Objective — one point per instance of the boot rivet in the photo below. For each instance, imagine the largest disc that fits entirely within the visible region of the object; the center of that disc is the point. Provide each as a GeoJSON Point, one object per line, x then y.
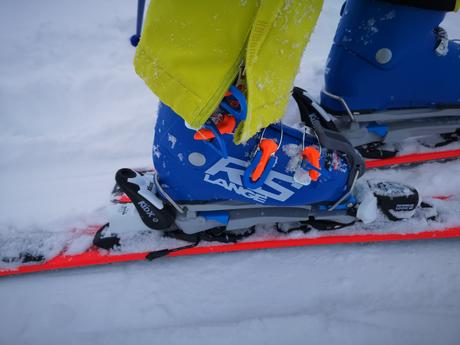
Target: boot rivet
{"type": "Point", "coordinates": [197, 159]}
{"type": "Point", "coordinates": [383, 56]}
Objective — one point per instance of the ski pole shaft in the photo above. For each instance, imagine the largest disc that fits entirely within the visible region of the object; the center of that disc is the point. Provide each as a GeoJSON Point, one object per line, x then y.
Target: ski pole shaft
{"type": "Point", "coordinates": [140, 17]}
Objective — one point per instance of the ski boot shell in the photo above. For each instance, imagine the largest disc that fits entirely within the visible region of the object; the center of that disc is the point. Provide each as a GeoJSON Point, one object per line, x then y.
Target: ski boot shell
{"type": "Point", "coordinates": [205, 187]}
{"type": "Point", "coordinates": [193, 170]}
{"type": "Point", "coordinates": [387, 56]}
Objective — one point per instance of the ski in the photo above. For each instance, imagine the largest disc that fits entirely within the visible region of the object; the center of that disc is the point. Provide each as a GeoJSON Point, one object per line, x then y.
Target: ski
{"type": "Point", "coordinates": [70, 257]}
{"type": "Point", "coordinates": [94, 256]}
{"type": "Point", "coordinates": [414, 158]}
{"type": "Point", "coordinates": [77, 250]}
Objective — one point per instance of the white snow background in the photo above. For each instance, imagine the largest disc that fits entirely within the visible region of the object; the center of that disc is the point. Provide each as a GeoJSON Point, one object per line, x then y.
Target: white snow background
{"type": "Point", "coordinates": [72, 111]}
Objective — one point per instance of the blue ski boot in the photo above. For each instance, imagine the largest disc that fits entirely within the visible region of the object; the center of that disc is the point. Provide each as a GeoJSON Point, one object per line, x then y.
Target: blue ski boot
{"type": "Point", "coordinates": [205, 187]}
{"type": "Point", "coordinates": [392, 74]}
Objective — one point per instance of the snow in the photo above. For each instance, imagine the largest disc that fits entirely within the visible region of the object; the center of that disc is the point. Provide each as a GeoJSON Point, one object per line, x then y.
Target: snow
{"type": "Point", "coordinates": [73, 111]}
{"type": "Point", "coordinates": [388, 294]}
{"type": "Point", "coordinates": [367, 210]}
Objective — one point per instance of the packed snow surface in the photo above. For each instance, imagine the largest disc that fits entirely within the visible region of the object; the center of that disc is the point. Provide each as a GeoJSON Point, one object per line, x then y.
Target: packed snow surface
{"type": "Point", "coordinates": [72, 111]}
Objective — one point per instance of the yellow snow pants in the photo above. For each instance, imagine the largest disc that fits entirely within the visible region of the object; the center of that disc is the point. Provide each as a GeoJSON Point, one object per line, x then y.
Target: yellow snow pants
{"type": "Point", "coordinates": [191, 52]}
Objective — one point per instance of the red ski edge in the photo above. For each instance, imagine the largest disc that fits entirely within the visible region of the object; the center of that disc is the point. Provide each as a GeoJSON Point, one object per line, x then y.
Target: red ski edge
{"type": "Point", "coordinates": [412, 158]}
{"type": "Point", "coordinates": [96, 257]}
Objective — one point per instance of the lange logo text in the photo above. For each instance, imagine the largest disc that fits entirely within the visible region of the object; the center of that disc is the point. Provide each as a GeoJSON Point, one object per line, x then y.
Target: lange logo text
{"type": "Point", "coordinates": [234, 169]}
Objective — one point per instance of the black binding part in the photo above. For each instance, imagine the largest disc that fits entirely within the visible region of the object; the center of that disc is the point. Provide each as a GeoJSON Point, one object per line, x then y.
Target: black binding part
{"type": "Point", "coordinates": [218, 234]}
{"type": "Point", "coordinates": [317, 224]}
{"type": "Point", "coordinates": [24, 258]}
{"type": "Point", "coordinates": [328, 136]}
{"type": "Point", "coordinates": [438, 5]}
{"type": "Point", "coordinates": [395, 197]}
{"type": "Point", "coordinates": [375, 151]}
{"type": "Point", "coordinates": [449, 138]}
{"type": "Point", "coordinates": [152, 217]}
{"type": "Point", "coordinates": [105, 242]}
{"type": "Point", "coordinates": [163, 252]}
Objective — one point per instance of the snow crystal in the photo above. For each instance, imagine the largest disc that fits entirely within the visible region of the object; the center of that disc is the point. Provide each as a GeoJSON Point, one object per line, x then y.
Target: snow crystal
{"type": "Point", "coordinates": [80, 244]}
{"type": "Point", "coordinates": [367, 210]}
{"type": "Point", "coordinates": [371, 26]}
{"type": "Point", "coordinates": [302, 176]}
{"type": "Point", "coordinates": [156, 151]}
{"type": "Point", "coordinates": [390, 15]}
{"type": "Point", "coordinates": [292, 114]}
{"type": "Point", "coordinates": [293, 151]}
{"type": "Point", "coordinates": [172, 140]}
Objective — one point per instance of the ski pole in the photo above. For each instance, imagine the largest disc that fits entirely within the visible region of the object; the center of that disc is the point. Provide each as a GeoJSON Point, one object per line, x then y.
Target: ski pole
{"type": "Point", "coordinates": [140, 16]}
